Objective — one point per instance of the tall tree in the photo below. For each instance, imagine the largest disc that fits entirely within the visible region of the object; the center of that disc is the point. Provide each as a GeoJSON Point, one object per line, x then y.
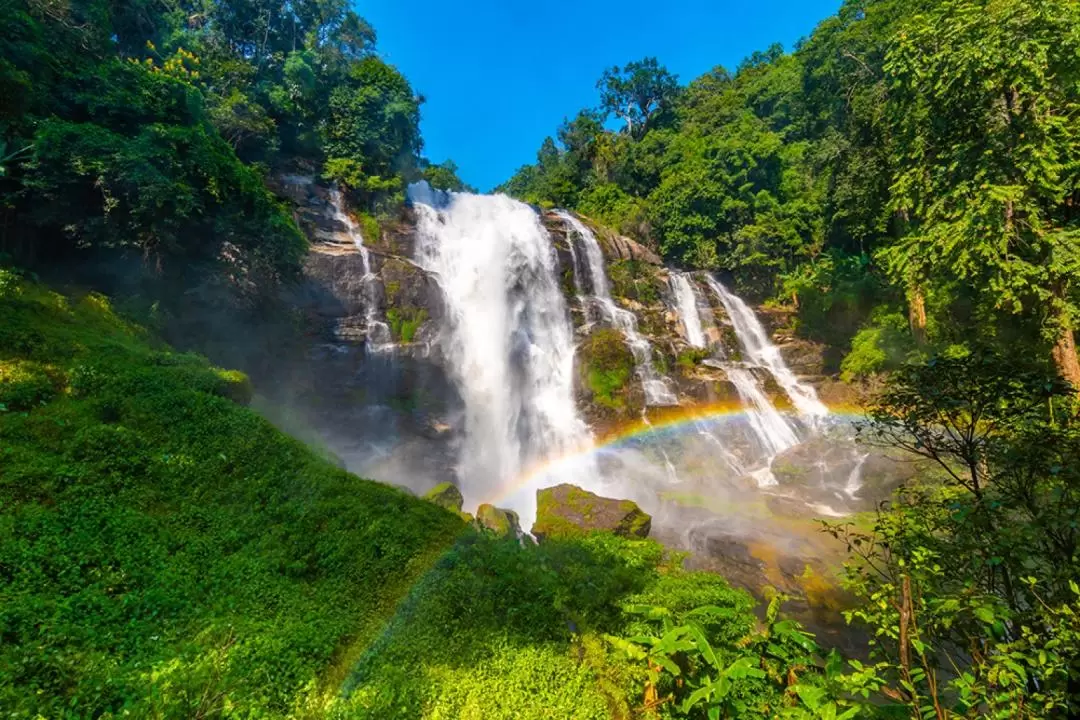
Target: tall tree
{"type": "Point", "coordinates": [637, 93]}
{"type": "Point", "coordinates": [986, 119]}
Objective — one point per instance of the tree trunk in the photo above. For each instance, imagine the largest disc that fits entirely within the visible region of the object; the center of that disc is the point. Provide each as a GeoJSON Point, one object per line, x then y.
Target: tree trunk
{"type": "Point", "coordinates": [1065, 355]}
{"type": "Point", "coordinates": [917, 313]}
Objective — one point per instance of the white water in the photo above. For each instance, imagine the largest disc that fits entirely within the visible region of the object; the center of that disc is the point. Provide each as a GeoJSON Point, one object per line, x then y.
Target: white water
{"type": "Point", "coordinates": [774, 434]}
{"type": "Point", "coordinates": [379, 338]}
{"type": "Point", "coordinates": [771, 429]}
{"type": "Point", "coordinates": [509, 345]}
{"type": "Point", "coordinates": [759, 350]}
{"type": "Point", "coordinates": [854, 480]}
{"type": "Point", "coordinates": [657, 388]}
{"type": "Point", "coordinates": [686, 305]}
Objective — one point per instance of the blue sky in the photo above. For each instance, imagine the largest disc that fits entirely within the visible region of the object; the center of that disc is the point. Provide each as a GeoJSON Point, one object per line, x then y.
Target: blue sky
{"type": "Point", "coordinates": [499, 76]}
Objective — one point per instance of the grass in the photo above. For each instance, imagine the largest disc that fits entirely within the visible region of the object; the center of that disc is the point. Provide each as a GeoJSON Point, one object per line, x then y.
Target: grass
{"type": "Point", "coordinates": [405, 321]}
{"type": "Point", "coordinates": [168, 553]}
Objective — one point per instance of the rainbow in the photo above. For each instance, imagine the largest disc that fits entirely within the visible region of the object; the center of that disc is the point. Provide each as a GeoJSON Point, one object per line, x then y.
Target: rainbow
{"type": "Point", "coordinates": [665, 422]}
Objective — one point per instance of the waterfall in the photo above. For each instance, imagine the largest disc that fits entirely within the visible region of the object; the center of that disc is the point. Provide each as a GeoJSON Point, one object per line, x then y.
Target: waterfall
{"type": "Point", "coordinates": [379, 338]}
{"type": "Point", "coordinates": [772, 431]}
{"type": "Point", "coordinates": [686, 307]}
{"type": "Point", "coordinates": [657, 387]}
{"type": "Point", "coordinates": [508, 342]}
{"type": "Point", "coordinates": [854, 479]}
{"type": "Point", "coordinates": [760, 350]}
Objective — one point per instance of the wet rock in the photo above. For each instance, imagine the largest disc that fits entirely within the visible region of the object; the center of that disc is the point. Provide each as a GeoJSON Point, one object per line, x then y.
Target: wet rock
{"type": "Point", "coordinates": [619, 247]}
{"type": "Point", "coordinates": [446, 495]}
{"type": "Point", "coordinates": [499, 521]}
{"type": "Point", "coordinates": [568, 510]}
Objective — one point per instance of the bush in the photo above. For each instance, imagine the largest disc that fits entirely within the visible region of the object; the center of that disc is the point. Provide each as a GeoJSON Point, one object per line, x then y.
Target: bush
{"type": "Point", "coordinates": [884, 344]}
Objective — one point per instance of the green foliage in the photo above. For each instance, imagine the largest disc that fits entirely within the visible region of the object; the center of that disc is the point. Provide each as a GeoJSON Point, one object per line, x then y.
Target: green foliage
{"type": "Point", "coordinates": [373, 129]}
{"type": "Point", "coordinates": [168, 553]}
{"type": "Point", "coordinates": [634, 280]}
{"type": "Point", "coordinates": [969, 584]}
{"type": "Point", "coordinates": [499, 629]}
{"type": "Point", "coordinates": [443, 176]}
{"type": "Point", "coordinates": [987, 157]}
{"type": "Point", "coordinates": [405, 321]}
{"type": "Point", "coordinates": [701, 667]}
{"type": "Point", "coordinates": [691, 357]}
{"type": "Point", "coordinates": [883, 345]}
{"type": "Point", "coordinates": [608, 365]}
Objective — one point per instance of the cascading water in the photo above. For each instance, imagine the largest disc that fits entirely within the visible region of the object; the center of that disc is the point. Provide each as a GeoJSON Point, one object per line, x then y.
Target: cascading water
{"type": "Point", "coordinates": [657, 388]}
{"type": "Point", "coordinates": [759, 350]}
{"type": "Point", "coordinates": [687, 308]}
{"type": "Point", "coordinates": [773, 433]}
{"type": "Point", "coordinates": [509, 345]}
{"type": "Point", "coordinates": [379, 338]}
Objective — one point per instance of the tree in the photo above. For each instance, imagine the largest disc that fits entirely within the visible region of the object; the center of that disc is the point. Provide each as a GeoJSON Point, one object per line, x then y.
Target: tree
{"type": "Point", "coordinates": [443, 176]}
{"type": "Point", "coordinates": [373, 129]}
{"type": "Point", "coordinates": [637, 93]}
{"type": "Point", "coordinates": [986, 147]}
{"type": "Point", "coordinates": [969, 580]}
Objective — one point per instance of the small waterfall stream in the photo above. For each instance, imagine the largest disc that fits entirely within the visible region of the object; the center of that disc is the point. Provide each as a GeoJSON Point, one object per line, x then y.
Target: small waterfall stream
{"type": "Point", "coordinates": [379, 338]}
{"type": "Point", "coordinates": [760, 350]}
{"type": "Point", "coordinates": [687, 307]}
{"type": "Point", "coordinates": [657, 387]}
{"type": "Point", "coordinates": [773, 433]}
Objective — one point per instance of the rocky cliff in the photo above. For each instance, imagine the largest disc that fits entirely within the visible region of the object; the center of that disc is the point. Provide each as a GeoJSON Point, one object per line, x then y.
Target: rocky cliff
{"type": "Point", "coordinates": [336, 301]}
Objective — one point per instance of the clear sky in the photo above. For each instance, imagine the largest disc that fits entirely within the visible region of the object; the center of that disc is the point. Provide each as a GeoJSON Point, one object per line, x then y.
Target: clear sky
{"type": "Point", "coordinates": [500, 75]}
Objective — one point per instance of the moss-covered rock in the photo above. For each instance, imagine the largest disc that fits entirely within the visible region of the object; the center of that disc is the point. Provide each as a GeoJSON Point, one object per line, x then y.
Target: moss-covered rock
{"type": "Point", "coordinates": [446, 495]}
{"type": "Point", "coordinates": [499, 521]}
{"type": "Point", "coordinates": [567, 510]}
{"type": "Point", "coordinates": [606, 368]}
{"type": "Point", "coordinates": [635, 280]}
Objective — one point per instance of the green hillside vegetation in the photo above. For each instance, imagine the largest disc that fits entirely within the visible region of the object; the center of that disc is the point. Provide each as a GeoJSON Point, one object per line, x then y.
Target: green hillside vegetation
{"type": "Point", "coordinates": [166, 551]}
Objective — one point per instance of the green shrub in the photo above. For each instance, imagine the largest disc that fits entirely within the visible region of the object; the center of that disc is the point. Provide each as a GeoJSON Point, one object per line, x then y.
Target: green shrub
{"type": "Point", "coordinates": [690, 358]}
{"type": "Point", "coordinates": [24, 385]}
{"type": "Point", "coordinates": [882, 345]}
{"type": "Point", "coordinates": [405, 321]}
{"type": "Point", "coordinates": [634, 280]}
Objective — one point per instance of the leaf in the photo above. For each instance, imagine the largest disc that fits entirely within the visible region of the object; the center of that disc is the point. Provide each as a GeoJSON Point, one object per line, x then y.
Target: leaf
{"type": "Point", "coordinates": [695, 697]}
{"type": "Point", "coordinates": [667, 663]}
{"type": "Point", "coordinates": [810, 695]}
{"type": "Point", "coordinates": [703, 646]}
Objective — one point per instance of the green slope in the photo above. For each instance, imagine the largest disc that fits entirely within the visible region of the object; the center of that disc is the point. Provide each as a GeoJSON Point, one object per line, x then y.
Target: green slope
{"type": "Point", "coordinates": [164, 551]}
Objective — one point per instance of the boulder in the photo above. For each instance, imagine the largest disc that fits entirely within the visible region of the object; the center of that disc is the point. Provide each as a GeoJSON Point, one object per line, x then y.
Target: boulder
{"type": "Point", "coordinates": [568, 510]}
{"type": "Point", "coordinates": [499, 521]}
{"type": "Point", "coordinates": [446, 495]}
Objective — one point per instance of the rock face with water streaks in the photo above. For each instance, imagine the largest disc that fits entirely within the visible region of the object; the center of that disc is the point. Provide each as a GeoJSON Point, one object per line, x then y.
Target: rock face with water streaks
{"type": "Point", "coordinates": [568, 510]}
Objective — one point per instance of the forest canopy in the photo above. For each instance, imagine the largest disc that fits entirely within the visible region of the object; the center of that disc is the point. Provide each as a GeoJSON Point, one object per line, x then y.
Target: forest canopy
{"type": "Point", "coordinates": [129, 126]}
